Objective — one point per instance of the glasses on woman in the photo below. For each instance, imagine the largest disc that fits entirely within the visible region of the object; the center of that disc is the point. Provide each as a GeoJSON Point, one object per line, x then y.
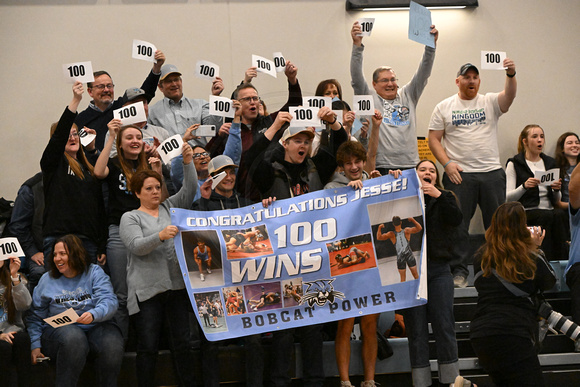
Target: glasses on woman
{"type": "Point", "coordinates": [202, 154]}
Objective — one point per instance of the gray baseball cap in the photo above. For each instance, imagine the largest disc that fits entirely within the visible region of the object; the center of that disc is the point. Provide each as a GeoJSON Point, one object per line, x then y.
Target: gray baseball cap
{"type": "Point", "coordinates": [294, 131]}
{"type": "Point", "coordinates": [168, 69]}
{"type": "Point", "coordinates": [218, 163]}
{"type": "Point", "coordinates": [463, 69]}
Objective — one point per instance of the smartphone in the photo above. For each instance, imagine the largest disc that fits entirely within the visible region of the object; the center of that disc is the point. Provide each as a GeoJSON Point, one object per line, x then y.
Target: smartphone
{"type": "Point", "coordinates": [41, 359]}
{"type": "Point", "coordinates": [205, 131]}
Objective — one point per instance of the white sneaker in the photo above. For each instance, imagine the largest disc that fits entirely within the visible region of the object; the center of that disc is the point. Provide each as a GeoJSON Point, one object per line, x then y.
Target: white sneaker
{"type": "Point", "coordinates": [368, 383]}
{"type": "Point", "coordinates": [208, 270]}
{"type": "Point", "coordinates": [202, 277]}
{"type": "Point", "coordinates": [346, 383]}
{"type": "Point", "coordinates": [460, 281]}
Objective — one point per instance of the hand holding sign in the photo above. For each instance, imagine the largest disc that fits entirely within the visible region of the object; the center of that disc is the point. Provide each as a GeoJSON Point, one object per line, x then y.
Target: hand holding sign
{"type": "Point", "coordinates": [79, 71]}
{"type": "Point", "coordinates": [303, 116]}
{"type": "Point", "coordinates": [548, 178]}
{"type": "Point", "coordinates": [144, 51]}
{"type": "Point", "coordinates": [170, 148]}
{"type": "Point", "coordinates": [131, 114]}
{"type": "Point", "coordinates": [87, 136]}
{"type": "Point", "coordinates": [279, 62]}
{"type": "Point", "coordinates": [264, 65]}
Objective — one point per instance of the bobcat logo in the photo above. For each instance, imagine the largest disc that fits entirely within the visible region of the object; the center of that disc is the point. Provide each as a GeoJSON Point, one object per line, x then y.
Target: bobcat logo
{"type": "Point", "coordinates": [320, 292]}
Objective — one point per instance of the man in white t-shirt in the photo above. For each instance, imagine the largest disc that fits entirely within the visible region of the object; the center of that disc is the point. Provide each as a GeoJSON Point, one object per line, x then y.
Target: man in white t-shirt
{"type": "Point", "coordinates": [467, 122]}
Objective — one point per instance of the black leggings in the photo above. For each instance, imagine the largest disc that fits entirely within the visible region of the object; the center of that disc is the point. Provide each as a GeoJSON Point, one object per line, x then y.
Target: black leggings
{"type": "Point", "coordinates": [509, 360]}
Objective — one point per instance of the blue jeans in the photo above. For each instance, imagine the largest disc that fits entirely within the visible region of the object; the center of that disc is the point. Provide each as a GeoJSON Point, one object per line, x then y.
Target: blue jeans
{"type": "Point", "coordinates": [69, 346]}
{"type": "Point", "coordinates": [117, 262]}
{"type": "Point", "coordinates": [438, 311]}
{"type": "Point", "coordinates": [171, 307]}
{"type": "Point", "coordinates": [310, 338]}
{"type": "Point", "coordinates": [486, 189]}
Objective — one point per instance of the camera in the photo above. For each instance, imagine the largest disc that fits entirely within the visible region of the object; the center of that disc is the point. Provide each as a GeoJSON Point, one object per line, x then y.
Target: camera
{"type": "Point", "coordinates": [558, 322]}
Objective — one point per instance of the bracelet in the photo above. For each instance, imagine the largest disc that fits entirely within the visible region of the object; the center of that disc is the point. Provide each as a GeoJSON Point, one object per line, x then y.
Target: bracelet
{"type": "Point", "coordinates": [446, 164]}
{"type": "Point", "coordinates": [331, 123]}
{"type": "Point", "coordinates": [511, 76]}
{"type": "Point", "coordinates": [16, 279]}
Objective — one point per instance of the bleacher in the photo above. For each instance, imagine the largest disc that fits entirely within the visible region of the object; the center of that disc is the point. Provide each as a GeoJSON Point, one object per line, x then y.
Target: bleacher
{"type": "Point", "coordinates": [560, 364]}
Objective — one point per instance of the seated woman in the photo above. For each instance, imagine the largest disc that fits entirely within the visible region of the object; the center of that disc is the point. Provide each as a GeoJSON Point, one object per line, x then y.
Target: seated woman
{"type": "Point", "coordinates": [156, 291]}
{"type": "Point", "coordinates": [521, 185]}
{"type": "Point", "coordinates": [14, 340]}
{"type": "Point", "coordinates": [510, 269]}
{"type": "Point", "coordinates": [73, 282]}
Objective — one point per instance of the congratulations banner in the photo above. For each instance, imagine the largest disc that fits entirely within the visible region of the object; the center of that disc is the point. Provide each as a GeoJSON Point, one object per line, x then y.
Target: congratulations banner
{"type": "Point", "coordinates": [319, 257]}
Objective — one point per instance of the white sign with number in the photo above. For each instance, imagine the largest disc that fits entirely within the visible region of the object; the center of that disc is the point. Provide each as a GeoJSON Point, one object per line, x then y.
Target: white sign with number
{"type": "Point", "coordinates": [79, 71]}
{"type": "Point", "coordinates": [279, 62]}
{"type": "Point", "coordinates": [318, 102]}
{"type": "Point", "coordinates": [67, 317]}
{"type": "Point", "coordinates": [131, 114]}
{"type": "Point", "coordinates": [9, 247]}
{"type": "Point", "coordinates": [264, 65]}
{"type": "Point", "coordinates": [366, 25]}
{"type": "Point", "coordinates": [363, 105]}
{"type": "Point", "coordinates": [547, 177]}
{"type": "Point", "coordinates": [86, 137]}
{"type": "Point", "coordinates": [304, 116]}
{"type": "Point", "coordinates": [492, 60]}
{"type": "Point", "coordinates": [221, 106]}
{"type": "Point", "coordinates": [170, 148]}
{"type": "Point", "coordinates": [207, 70]}
{"type": "Point", "coordinates": [144, 50]}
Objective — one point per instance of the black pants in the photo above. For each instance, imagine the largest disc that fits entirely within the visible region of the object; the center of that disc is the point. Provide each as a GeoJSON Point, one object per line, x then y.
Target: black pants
{"type": "Point", "coordinates": [509, 360]}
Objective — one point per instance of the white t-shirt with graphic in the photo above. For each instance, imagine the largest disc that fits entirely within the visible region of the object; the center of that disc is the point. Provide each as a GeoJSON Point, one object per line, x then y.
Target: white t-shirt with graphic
{"type": "Point", "coordinates": [470, 137]}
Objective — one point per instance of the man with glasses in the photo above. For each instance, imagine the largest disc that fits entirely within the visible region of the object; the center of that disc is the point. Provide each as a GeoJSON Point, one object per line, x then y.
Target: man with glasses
{"type": "Point", "coordinates": [100, 110]}
{"type": "Point", "coordinates": [398, 134]}
{"type": "Point", "coordinates": [252, 124]}
{"type": "Point", "coordinates": [468, 122]}
{"type": "Point", "coordinates": [177, 113]}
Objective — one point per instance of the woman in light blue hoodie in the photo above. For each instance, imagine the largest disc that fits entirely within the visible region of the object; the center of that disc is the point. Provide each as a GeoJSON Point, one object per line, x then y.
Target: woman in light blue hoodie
{"type": "Point", "coordinates": [72, 282]}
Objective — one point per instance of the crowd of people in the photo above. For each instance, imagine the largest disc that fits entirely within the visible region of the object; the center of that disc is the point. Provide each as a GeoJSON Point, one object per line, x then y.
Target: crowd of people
{"type": "Point", "coordinates": [96, 228]}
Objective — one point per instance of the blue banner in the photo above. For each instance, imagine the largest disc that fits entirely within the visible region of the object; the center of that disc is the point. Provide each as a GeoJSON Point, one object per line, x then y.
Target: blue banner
{"type": "Point", "coordinates": [319, 257]}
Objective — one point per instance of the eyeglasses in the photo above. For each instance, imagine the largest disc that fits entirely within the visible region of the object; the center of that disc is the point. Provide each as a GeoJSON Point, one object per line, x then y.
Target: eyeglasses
{"type": "Point", "coordinates": [102, 87]}
{"type": "Point", "coordinates": [250, 99]}
{"type": "Point", "coordinates": [385, 80]}
{"type": "Point", "coordinates": [73, 135]}
{"type": "Point", "coordinates": [202, 154]}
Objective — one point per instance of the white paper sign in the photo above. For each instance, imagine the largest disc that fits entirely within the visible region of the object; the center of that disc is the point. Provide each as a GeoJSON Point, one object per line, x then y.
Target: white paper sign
{"type": "Point", "coordinates": [79, 71]}
{"type": "Point", "coordinates": [339, 116]}
{"type": "Point", "coordinates": [131, 114]}
{"type": "Point", "coordinates": [215, 180]}
{"type": "Point", "coordinates": [86, 137]}
{"type": "Point", "coordinates": [144, 50]}
{"type": "Point", "coordinates": [279, 62]}
{"type": "Point", "coordinates": [221, 106]}
{"type": "Point", "coordinates": [363, 105]}
{"type": "Point", "coordinates": [492, 60]}
{"type": "Point", "coordinates": [366, 25]}
{"type": "Point", "coordinates": [547, 177]}
{"type": "Point", "coordinates": [67, 317]}
{"type": "Point", "coordinates": [264, 65]}
{"type": "Point", "coordinates": [170, 148]}
{"type": "Point", "coordinates": [304, 116]}
{"type": "Point", "coordinates": [9, 247]}
{"type": "Point", "coordinates": [207, 70]}
{"type": "Point", "coordinates": [318, 102]}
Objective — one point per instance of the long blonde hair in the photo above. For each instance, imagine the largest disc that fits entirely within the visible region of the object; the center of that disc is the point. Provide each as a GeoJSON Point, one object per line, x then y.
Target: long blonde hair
{"type": "Point", "coordinates": [75, 164]}
{"type": "Point", "coordinates": [509, 247]}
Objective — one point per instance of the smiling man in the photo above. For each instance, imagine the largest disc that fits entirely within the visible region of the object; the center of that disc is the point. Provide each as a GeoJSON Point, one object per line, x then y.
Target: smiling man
{"type": "Point", "coordinates": [102, 91]}
{"type": "Point", "coordinates": [398, 133]}
{"type": "Point", "coordinates": [468, 124]}
{"type": "Point", "coordinates": [177, 113]}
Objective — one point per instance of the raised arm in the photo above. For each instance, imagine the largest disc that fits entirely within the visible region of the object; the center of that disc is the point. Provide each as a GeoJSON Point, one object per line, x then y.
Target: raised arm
{"type": "Point", "coordinates": [373, 142]}
{"type": "Point", "coordinates": [416, 226]}
{"type": "Point", "coordinates": [358, 82]}
{"type": "Point", "coordinates": [384, 236]}
{"type": "Point", "coordinates": [508, 94]}
{"type": "Point", "coordinates": [101, 168]}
